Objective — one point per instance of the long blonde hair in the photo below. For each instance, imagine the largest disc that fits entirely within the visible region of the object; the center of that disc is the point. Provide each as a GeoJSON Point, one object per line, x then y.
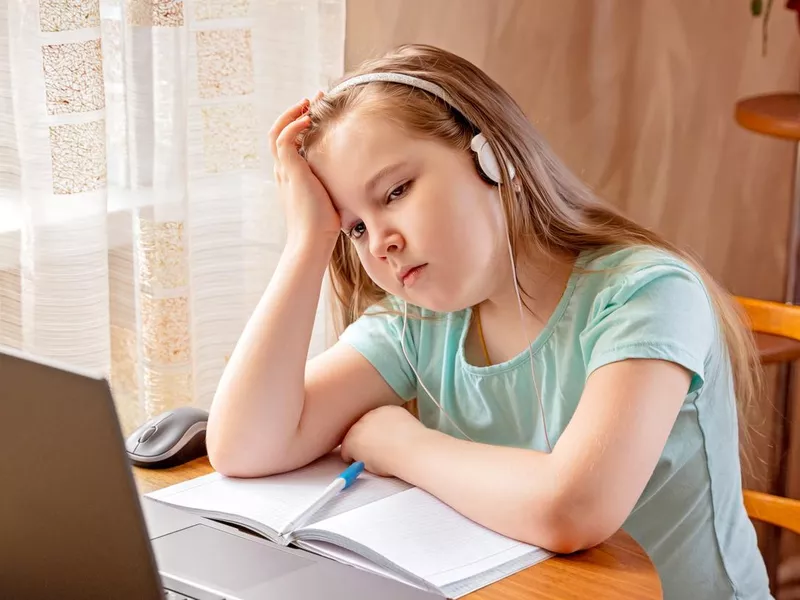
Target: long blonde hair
{"type": "Point", "coordinates": [550, 211]}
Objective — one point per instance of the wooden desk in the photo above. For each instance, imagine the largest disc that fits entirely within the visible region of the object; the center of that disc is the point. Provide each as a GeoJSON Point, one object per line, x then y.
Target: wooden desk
{"type": "Point", "coordinates": [619, 568]}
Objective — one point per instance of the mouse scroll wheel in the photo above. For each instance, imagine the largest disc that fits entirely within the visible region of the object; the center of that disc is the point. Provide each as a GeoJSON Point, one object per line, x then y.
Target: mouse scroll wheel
{"type": "Point", "coordinates": [146, 434]}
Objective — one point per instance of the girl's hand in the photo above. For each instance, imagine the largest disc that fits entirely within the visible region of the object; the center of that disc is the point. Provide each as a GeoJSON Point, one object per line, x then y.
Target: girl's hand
{"type": "Point", "coordinates": [380, 438]}
{"type": "Point", "coordinates": [311, 218]}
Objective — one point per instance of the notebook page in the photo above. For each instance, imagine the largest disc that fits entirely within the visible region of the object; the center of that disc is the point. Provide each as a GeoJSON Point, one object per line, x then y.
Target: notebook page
{"type": "Point", "coordinates": [366, 489]}
{"type": "Point", "coordinates": [427, 538]}
{"type": "Point", "coordinates": [273, 501]}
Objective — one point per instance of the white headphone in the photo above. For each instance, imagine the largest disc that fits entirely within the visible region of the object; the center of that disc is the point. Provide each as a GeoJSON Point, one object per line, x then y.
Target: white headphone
{"type": "Point", "coordinates": [487, 159]}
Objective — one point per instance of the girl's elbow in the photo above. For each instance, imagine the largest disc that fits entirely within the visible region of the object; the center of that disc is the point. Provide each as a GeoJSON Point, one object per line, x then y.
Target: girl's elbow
{"type": "Point", "coordinates": [235, 455]}
{"type": "Point", "coordinates": [569, 540]}
{"type": "Point", "coordinates": [564, 528]}
{"type": "Point", "coordinates": [222, 460]}
{"type": "Point", "coordinates": [234, 449]}
{"type": "Point", "coordinates": [232, 464]}
{"type": "Point", "coordinates": [559, 537]}
{"type": "Point", "coordinates": [231, 457]}
{"type": "Point", "coordinates": [222, 465]}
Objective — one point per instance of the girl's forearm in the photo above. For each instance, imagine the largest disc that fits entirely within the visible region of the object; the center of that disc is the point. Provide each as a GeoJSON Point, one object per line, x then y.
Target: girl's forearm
{"type": "Point", "coordinates": [512, 491]}
{"type": "Point", "coordinates": [258, 403]}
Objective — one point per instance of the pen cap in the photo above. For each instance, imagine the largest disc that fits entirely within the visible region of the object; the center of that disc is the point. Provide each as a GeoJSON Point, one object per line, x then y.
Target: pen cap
{"type": "Point", "coordinates": [350, 473]}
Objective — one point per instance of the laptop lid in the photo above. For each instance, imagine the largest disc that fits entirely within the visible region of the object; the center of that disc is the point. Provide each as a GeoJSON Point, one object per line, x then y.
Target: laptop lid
{"type": "Point", "coordinates": [70, 521]}
{"type": "Point", "coordinates": [72, 526]}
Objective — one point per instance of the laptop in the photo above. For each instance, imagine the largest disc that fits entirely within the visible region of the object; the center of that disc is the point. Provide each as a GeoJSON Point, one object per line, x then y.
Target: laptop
{"type": "Point", "coordinates": [72, 524]}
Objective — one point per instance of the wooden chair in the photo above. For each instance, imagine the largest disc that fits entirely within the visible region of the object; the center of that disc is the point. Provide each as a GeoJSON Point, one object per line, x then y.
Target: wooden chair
{"type": "Point", "coordinates": [776, 327]}
{"type": "Point", "coordinates": [775, 510]}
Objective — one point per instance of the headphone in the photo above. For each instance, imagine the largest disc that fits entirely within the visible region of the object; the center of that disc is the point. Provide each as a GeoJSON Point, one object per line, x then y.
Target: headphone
{"type": "Point", "coordinates": [486, 158]}
{"type": "Point", "coordinates": [489, 166]}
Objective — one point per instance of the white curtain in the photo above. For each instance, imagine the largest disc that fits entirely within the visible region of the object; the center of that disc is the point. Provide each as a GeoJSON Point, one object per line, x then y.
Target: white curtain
{"type": "Point", "coordinates": [139, 223]}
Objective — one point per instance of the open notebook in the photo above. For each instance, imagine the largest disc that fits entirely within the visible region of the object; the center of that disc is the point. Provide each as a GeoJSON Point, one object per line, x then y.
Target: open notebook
{"type": "Point", "coordinates": [379, 524]}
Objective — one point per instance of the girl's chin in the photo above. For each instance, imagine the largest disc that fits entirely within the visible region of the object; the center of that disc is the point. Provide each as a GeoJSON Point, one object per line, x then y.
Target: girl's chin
{"type": "Point", "coordinates": [431, 295]}
{"type": "Point", "coordinates": [435, 303]}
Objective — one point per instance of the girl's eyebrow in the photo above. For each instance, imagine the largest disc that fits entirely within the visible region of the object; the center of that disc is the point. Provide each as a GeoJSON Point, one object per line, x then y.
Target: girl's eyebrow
{"type": "Point", "coordinates": [384, 172]}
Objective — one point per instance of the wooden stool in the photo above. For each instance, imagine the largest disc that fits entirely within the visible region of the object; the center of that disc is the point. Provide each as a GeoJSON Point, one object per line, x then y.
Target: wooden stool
{"type": "Point", "coordinates": [778, 115]}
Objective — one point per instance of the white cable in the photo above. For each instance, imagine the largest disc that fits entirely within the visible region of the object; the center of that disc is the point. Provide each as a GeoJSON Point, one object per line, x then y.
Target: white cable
{"type": "Point", "coordinates": [524, 329]}
{"type": "Point", "coordinates": [419, 379]}
{"type": "Point", "coordinates": [524, 332]}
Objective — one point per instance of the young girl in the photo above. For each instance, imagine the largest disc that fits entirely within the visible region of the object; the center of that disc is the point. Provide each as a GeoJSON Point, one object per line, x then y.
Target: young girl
{"type": "Point", "coordinates": [573, 372]}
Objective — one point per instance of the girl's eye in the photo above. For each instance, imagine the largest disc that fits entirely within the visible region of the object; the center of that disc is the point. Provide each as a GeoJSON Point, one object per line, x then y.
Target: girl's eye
{"type": "Point", "coordinates": [399, 191]}
{"type": "Point", "coordinates": [357, 230]}
{"type": "Point", "coordinates": [360, 229]}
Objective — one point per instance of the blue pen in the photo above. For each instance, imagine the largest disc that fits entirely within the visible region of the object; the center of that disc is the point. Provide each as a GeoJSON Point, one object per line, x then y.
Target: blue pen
{"type": "Point", "coordinates": [342, 482]}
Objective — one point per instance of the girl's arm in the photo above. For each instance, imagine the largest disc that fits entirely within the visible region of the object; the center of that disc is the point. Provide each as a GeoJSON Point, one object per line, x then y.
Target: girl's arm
{"type": "Point", "coordinates": [272, 410]}
{"type": "Point", "coordinates": [571, 499]}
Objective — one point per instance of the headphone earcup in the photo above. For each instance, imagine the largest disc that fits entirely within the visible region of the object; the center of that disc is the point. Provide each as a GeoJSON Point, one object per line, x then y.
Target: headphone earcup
{"type": "Point", "coordinates": [487, 159]}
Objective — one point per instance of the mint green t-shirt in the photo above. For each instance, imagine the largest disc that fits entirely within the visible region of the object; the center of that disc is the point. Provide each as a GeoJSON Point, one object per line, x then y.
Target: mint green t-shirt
{"type": "Point", "coordinates": [645, 303]}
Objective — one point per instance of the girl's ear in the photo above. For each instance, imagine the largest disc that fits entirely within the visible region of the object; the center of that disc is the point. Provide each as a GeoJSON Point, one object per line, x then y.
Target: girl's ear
{"type": "Point", "coordinates": [516, 185]}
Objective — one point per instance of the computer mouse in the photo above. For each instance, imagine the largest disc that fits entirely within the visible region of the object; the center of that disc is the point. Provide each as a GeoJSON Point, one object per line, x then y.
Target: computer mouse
{"type": "Point", "coordinates": [172, 438]}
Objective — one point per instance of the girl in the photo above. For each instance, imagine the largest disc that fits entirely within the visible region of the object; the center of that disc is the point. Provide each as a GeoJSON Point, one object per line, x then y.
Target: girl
{"type": "Point", "coordinates": [573, 372]}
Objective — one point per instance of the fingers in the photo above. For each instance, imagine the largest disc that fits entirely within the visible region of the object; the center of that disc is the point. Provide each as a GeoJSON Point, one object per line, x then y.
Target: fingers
{"type": "Point", "coordinates": [286, 144]}
{"type": "Point", "coordinates": [289, 116]}
{"type": "Point", "coordinates": [319, 95]}
{"type": "Point", "coordinates": [344, 451]}
{"type": "Point", "coordinates": [284, 132]}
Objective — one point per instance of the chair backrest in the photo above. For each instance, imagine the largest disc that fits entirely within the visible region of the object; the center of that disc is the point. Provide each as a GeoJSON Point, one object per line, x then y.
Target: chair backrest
{"type": "Point", "coordinates": [770, 317]}
{"type": "Point", "coordinates": [775, 510]}
{"type": "Point", "coordinates": [774, 318]}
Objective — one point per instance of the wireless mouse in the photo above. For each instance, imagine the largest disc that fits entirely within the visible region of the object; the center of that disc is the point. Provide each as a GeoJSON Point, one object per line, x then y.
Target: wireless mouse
{"type": "Point", "coordinates": [172, 438]}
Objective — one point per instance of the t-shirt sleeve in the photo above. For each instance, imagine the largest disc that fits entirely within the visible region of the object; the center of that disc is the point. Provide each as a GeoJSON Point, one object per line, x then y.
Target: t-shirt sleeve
{"type": "Point", "coordinates": [658, 311]}
{"type": "Point", "coordinates": [376, 335]}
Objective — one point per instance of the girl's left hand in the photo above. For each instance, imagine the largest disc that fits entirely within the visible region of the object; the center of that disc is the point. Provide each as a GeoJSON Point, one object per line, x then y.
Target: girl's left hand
{"type": "Point", "coordinates": [380, 438]}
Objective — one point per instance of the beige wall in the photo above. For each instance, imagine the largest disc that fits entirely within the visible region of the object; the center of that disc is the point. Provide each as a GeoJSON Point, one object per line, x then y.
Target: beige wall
{"type": "Point", "coordinates": [638, 98]}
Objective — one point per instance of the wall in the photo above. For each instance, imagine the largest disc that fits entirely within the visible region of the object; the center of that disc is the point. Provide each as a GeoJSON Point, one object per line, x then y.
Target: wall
{"type": "Point", "coordinates": [638, 98]}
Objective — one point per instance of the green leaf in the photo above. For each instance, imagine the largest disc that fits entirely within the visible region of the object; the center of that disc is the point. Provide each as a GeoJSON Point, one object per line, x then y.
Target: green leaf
{"type": "Point", "coordinates": [756, 6]}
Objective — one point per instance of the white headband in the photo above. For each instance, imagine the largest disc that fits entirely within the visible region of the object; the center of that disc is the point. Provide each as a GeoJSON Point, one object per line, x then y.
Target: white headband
{"type": "Point", "coordinates": [409, 80]}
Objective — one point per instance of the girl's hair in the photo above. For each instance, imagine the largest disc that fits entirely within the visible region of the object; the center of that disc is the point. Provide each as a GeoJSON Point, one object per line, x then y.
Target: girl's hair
{"type": "Point", "coordinates": [548, 210]}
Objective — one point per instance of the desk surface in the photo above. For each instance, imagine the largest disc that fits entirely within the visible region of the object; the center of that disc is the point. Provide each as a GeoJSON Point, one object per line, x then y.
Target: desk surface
{"type": "Point", "coordinates": [618, 568]}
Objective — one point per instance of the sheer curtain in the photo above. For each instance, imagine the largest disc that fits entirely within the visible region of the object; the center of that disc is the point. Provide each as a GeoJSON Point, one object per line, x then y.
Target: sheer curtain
{"type": "Point", "coordinates": [139, 223]}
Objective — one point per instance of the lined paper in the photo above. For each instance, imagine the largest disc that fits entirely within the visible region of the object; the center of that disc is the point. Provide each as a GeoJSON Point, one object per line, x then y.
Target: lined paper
{"type": "Point", "coordinates": [427, 538]}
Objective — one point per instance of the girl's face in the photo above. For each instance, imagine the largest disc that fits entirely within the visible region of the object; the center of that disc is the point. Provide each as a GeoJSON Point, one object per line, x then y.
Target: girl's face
{"type": "Point", "coordinates": [426, 226]}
